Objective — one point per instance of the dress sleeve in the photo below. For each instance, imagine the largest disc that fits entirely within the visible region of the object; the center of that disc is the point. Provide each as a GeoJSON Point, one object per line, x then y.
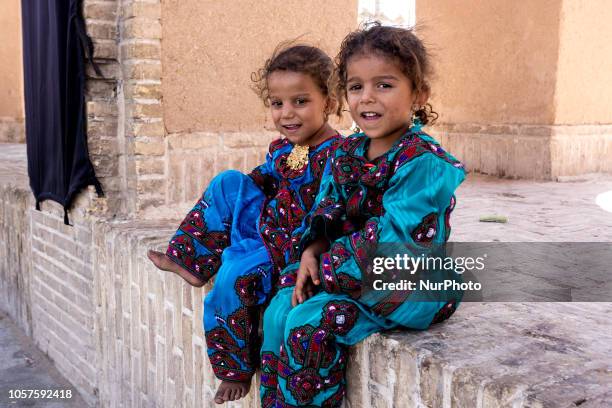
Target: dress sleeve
{"type": "Point", "coordinates": [416, 203]}
{"type": "Point", "coordinates": [265, 176]}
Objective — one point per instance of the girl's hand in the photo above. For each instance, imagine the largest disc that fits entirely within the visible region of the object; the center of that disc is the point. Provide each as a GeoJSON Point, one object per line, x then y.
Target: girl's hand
{"type": "Point", "coordinates": [308, 272]}
{"type": "Point", "coordinates": [307, 276]}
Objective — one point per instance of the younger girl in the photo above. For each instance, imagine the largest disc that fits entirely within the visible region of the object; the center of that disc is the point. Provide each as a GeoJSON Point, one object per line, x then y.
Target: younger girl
{"type": "Point", "coordinates": [241, 227]}
{"type": "Point", "coordinates": [390, 184]}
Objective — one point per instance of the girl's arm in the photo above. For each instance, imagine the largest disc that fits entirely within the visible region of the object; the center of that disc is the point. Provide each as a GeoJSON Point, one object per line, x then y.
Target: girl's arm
{"type": "Point", "coordinates": [308, 271]}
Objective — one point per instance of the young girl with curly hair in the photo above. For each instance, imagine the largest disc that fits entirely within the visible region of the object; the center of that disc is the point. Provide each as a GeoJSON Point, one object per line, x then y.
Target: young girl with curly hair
{"type": "Point", "coordinates": [240, 229]}
{"type": "Point", "coordinates": [390, 184]}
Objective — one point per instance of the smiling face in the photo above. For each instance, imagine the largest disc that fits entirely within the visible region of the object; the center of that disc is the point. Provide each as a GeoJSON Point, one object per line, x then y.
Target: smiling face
{"type": "Point", "coordinates": [298, 107]}
{"type": "Point", "coordinates": [380, 98]}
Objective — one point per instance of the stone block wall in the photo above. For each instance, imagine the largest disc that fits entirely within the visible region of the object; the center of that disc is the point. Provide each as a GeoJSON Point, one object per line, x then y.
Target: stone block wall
{"type": "Point", "coordinates": [151, 345]}
{"type": "Point", "coordinates": [62, 293]}
{"type": "Point", "coordinates": [15, 257]}
{"type": "Point", "coordinates": [196, 157]}
{"type": "Point", "coordinates": [61, 283]}
{"type": "Point", "coordinates": [529, 151]}
{"type": "Point", "coordinates": [141, 113]}
{"type": "Point", "coordinates": [105, 141]}
{"type": "Point", "coordinates": [146, 172]}
{"type": "Point", "coordinates": [46, 272]}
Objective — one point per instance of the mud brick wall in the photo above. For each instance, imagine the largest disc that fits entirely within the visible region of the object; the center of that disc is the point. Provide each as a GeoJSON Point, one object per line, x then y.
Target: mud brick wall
{"type": "Point", "coordinates": [15, 257]}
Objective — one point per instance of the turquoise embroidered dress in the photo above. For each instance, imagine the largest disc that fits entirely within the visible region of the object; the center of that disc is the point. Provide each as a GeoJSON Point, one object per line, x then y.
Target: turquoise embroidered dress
{"type": "Point", "coordinates": [404, 196]}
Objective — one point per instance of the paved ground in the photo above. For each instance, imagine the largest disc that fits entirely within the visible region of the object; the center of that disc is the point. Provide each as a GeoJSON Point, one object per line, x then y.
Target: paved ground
{"type": "Point", "coordinates": [536, 211]}
{"type": "Point", "coordinates": [24, 367]}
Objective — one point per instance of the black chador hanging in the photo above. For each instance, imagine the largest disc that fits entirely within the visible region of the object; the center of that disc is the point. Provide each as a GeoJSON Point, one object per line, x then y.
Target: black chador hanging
{"type": "Point", "coordinates": [54, 47]}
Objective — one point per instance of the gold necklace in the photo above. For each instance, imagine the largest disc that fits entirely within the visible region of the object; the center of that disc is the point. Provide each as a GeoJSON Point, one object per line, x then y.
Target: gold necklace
{"type": "Point", "coordinates": [298, 157]}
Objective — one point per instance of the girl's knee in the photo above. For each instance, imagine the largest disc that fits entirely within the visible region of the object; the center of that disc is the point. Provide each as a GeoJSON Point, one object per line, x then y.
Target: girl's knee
{"type": "Point", "coordinates": [275, 314]}
{"type": "Point", "coordinates": [223, 291]}
{"type": "Point", "coordinates": [297, 317]}
{"type": "Point", "coordinates": [210, 300]}
{"type": "Point", "coordinates": [271, 324]}
{"type": "Point", "coordinates": [226, 184]}
{"type": "Point", "coordinates": [224, 180]}
{"type": "Point", "coordinates": [228, 177]}
{"type": "Point", "coordinates": [274, 326]}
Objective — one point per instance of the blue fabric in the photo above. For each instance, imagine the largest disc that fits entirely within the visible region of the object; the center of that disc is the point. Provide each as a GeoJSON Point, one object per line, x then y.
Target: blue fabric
{"type": "Point", "coordinates": [240, 231]}
{"type": "Point", "coordinates": [404, 196]}
{"type": "Point", "coordinates": [311, 342]}
{"type": "Point", "coordinates": [225, 214]}
{"type": "Point", "coordinates": [291, 195]}
{"type": "Point", "coordinates": [222, 226]}
{"type": "Point", "coordinates": [231, 313]}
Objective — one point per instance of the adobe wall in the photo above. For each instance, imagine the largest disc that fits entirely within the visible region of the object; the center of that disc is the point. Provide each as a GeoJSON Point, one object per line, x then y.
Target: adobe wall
{"type": "Point", "coordinates": [210, 49]}
{"type": "Point", "coordinates": [583, 94]}
{"type": "Point", "coordinates": [213, 119]}
{"type": "Point", "coordinates": [11, 74]}
{"type": "Point", "coordinates": [522, 89]}
{"type": "Point", "coordinates": [495, 61]}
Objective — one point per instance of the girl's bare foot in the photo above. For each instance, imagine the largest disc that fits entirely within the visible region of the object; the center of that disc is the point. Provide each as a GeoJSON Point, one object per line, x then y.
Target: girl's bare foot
{"type": "Point", "coordinates": [231, 391]}
{"type": "Point", "coordinates": [164, 263]}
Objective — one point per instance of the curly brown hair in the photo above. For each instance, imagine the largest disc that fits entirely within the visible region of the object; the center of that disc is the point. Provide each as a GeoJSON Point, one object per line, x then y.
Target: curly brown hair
{"type": "Point", "coordinates": [300, 58]}
{"type": "Point", "coordinates": [399, 44]}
